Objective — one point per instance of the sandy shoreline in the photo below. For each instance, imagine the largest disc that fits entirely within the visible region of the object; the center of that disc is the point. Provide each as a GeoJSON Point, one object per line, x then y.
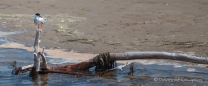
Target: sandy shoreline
{"type": "Point", "coordinates": [111, 26]}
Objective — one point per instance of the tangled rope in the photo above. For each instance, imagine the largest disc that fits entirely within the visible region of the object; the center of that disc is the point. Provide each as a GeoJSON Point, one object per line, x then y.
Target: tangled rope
{"type": "Point", "coordinates": [103, 62]}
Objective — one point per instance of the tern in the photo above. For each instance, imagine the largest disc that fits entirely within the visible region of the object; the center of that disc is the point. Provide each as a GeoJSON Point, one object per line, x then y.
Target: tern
{"type": "Point", "coordinates": [38, 20]}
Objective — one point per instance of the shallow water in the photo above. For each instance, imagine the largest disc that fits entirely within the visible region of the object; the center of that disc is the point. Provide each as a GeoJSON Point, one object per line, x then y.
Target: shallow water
{"type": "Point", "coordinates": [146, 72]}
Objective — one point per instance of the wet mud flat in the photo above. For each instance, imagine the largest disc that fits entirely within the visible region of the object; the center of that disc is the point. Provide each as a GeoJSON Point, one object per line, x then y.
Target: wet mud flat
{"type": "Point", "coordinates": [112, 26]}
{"type": "Point", "coordinates": [146, 72]}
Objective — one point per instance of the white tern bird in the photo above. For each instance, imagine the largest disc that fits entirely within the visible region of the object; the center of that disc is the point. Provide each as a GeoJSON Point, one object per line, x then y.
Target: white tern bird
{"type": "Point", "coordinates": [38, 20]}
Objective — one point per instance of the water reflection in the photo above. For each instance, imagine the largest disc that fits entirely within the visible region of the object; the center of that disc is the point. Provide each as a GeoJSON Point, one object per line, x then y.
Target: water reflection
{"type": "Point", "coordinates": [41, 81]}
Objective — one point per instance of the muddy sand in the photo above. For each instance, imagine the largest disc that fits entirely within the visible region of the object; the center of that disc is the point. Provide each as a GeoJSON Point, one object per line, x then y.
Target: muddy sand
{"type": "Point", "coordinates": [97, 26]}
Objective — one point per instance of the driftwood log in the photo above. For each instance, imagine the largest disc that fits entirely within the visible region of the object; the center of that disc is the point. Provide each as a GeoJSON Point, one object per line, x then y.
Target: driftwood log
{"type": "Point", "coordinates": [106, 61]}
{"type": "Point", "coordinates": [102, 62]}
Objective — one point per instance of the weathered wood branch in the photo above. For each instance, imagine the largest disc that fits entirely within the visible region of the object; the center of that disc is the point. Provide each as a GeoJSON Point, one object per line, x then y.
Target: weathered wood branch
{"type": "Point", "coordinates": [44, 65]}
{"type": "Point", "coordinates": [158, 55]}
{"type": "Point", "coordinates": [21, 70]}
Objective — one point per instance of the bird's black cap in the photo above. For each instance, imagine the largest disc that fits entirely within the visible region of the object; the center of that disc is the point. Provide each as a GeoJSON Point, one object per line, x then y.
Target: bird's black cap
{"type": "Point", "coordinates": [38, 14]}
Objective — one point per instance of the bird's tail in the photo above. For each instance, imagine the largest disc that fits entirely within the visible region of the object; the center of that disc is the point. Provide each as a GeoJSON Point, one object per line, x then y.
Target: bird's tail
{"type": "Point", "coordinates": [45, 20]}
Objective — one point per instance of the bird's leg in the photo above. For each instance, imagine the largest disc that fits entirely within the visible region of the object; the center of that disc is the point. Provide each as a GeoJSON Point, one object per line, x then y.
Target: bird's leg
{"type": "Point", "coordinates": [41, 27]}
{"type": "Point", "coordinates": [38, 27]}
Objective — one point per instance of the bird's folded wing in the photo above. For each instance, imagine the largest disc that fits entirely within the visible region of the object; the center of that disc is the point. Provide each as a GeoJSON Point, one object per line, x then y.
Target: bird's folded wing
{"type": "Point", "coordinates": [43, 20]}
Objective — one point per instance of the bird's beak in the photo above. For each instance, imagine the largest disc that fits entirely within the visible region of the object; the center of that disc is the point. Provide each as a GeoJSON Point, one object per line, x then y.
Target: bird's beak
{"type": "Point", "coordinates": [40, 16]}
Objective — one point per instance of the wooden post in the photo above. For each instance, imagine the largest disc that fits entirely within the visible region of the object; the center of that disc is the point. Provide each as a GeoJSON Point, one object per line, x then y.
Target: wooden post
{"type": "Point", "coordinates": [36, 66]}
{"type": "Point", "coordinates": [36, 43]}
